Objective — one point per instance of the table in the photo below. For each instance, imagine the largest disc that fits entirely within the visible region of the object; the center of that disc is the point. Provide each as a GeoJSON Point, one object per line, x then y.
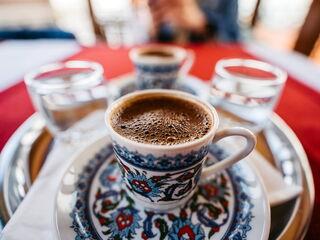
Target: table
{"type": "Point", "coordinates": [299, 106]}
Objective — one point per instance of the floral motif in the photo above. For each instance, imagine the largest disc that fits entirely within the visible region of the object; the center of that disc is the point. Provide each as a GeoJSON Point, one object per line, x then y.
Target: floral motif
{"type": "Point", "coordinates": [162, 188]}
{"type": "Point", "coordinates": [144, 186]}
{"type": "Point", "coordinates": [108, 177]}
{"type": "Point", "coordinates": [216, 189]}
{"type": "Point", "coordinates": [157, 68]}
{"type": "Point", "coordinates": [155, 76]}
{"type": "Point", "coordinates": [114, 215]}
{"type": "Point", "coordinates": [164, 81]}
{"type": "Point", "coordinates": [184, 229]}
{"type": "Point", "coordinates": [124, 223]}
{"type": "Point", "coordinates": [162, 163]}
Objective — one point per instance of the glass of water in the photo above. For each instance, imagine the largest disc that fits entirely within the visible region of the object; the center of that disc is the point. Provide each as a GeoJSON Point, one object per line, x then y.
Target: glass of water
{"type": "Point", "coordinates": [247, 89]}
{"type": "Point", "coordinates": [64, 93]}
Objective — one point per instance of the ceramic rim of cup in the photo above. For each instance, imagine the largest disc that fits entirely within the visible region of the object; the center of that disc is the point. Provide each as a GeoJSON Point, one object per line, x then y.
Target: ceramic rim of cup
{"type": "Point", "coordinates": [179, 54]}
{"type": "Point", "coordinates": [173, 93]}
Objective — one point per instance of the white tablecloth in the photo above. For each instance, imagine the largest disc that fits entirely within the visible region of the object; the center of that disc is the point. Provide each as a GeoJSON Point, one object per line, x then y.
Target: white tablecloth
{"type": "Point", "coordinates": [17, 57]}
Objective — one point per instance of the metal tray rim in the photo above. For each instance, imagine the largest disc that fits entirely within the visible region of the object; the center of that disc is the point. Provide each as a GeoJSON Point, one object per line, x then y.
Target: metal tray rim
{"type": "Point", "coordinates": [7, 154]}
{"type": "Point", "coordinates": [294, 140]}
{"type": "Point", "coordinates": [10, 148]}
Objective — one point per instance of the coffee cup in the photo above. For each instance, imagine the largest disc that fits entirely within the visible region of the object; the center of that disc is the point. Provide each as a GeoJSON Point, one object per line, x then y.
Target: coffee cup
{"type": "Point", "coordinates": [158, 66]}
{"type": "Point", "coordinates": [164, 176]}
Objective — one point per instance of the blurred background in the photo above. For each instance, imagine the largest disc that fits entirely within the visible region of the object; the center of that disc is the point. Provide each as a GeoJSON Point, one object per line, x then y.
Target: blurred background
{"type": "Point", "coordinates": [288, 25]}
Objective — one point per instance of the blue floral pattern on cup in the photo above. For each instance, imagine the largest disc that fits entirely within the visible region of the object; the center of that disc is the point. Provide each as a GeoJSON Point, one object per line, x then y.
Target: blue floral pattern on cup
{"type": "Point", "coordinates": [114, 215]}
{"type": "Point", "coordinates": [156, 76]}
{"type": "Point", "coordinates": [162, 163]}
{"type": "Point", "coordinates": [158, 68]}
{"type": "Point", "coordinates": [165, 188]}
{"type": "Point", "coordinates": [144, 186]}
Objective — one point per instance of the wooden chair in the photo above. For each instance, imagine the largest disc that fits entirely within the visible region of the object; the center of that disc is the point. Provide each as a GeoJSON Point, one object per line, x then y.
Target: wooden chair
{"type": "Point", "coordinates": [255, 14]}
{"type": "Point", "coordinates": [310, 30]}
{"type": "Point", "coordinates": [98, 30]}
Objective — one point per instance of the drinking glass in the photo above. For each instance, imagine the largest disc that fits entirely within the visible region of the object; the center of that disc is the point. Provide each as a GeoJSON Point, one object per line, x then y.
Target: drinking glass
{"type": "Point", "coordinates": [64, 93]}
{"type": "Point", "coordinates": [248, 89]}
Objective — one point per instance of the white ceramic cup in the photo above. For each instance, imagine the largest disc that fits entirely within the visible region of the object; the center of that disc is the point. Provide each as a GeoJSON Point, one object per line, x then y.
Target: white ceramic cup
{"type": "Point", "coordinates": [156, 71]}
{"type": "Point", "coordinates": [163, 177]}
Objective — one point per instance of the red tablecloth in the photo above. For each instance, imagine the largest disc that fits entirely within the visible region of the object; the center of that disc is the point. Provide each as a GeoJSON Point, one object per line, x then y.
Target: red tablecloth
{"type": "Point", "coordinates": [299, 106]}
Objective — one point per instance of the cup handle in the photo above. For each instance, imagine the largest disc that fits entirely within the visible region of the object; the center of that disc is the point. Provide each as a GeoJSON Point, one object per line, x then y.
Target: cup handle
{"type": "Point", "coordinates": [227, 162]}
{"type": "Point", "coordinates": [186, 66]}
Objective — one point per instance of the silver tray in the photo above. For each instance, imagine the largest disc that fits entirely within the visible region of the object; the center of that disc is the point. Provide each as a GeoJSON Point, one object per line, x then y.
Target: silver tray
{"type": "Point", "coordinates": [277, 143]}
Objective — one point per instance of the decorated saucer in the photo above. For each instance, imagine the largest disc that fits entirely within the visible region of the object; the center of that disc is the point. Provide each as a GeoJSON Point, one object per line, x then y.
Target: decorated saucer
{"type": "Point", "coordinates": [93, 204]}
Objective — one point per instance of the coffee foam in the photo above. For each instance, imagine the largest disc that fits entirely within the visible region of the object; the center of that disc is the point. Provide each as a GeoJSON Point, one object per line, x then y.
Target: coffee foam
{"type": "Point", "coordinates": [161, 120]}
{"type": "Point", "coordinates": [178, 54]}
{"type": "Point", "coordinates": [157, 53]}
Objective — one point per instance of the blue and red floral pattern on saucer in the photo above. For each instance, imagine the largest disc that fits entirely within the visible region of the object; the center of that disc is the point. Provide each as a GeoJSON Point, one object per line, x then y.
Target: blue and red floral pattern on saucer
{"type": "Point", "coordinates": [93, 204]}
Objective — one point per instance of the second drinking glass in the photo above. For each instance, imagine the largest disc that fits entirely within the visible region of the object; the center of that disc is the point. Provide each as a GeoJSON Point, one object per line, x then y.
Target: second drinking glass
{"type": "Point", "coordinates": [64, 93]}
{"type": "Point", "coordinates": [248, 89]}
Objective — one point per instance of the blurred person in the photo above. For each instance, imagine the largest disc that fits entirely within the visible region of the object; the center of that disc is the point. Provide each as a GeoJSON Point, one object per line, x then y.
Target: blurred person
{"type": "Point", "coordinates": [194, 20]}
